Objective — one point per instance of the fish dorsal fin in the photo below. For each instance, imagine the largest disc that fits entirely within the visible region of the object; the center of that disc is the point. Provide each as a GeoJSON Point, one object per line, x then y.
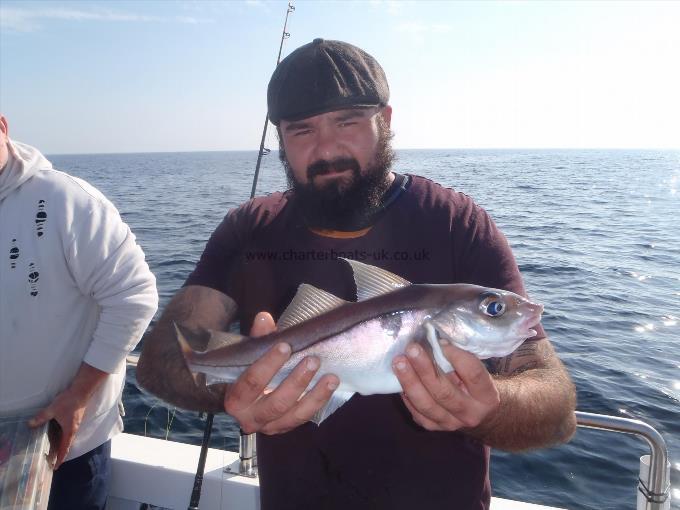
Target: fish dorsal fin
{"type": "Point", "coordinates": [337, 400]}
{"type": "Point", "coordinates": [371, 281]}
{"type": "Point", "coordinates": [307, 303]}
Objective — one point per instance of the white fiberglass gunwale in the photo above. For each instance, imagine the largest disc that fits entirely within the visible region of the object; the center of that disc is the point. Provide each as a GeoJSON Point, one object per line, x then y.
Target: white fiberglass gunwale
{"type": "Point", "coordinates": [161, 473]}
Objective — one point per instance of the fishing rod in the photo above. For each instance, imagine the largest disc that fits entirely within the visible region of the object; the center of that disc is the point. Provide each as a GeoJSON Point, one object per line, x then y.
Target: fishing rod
{"type": "Point", "coordinates": [285, 35]}
{"type": "Point", "coordinates": [246, 440]}
{"type": "Point", "coordinates": [198, 479]}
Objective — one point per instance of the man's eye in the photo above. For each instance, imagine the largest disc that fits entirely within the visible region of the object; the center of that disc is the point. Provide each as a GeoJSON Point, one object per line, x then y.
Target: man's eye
{"type": "Point", "coordinates": [302, 132]}
{"type": "Point", "coordinates": [348, 123]}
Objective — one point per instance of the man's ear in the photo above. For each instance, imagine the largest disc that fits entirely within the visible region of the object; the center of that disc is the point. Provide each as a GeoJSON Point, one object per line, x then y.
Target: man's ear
{"type": "Point", "coordinates": [3, 125]}
{"type": "Point", "coordinates": [387, 115]}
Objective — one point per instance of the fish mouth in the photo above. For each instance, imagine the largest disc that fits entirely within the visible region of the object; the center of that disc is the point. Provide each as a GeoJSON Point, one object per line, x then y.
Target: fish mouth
{"type": "Point", "coordinates": [528, 332]}
{"type": "Point", "coordinates": [532, 319]}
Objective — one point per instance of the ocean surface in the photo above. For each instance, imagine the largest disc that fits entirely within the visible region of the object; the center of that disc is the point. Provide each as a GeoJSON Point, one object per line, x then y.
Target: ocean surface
{"type": "Point", "coordinates": [596, 234]}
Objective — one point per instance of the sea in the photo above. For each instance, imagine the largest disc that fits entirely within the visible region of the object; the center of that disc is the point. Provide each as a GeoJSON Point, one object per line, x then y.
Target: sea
{"type": "Point", "coordinates": [596, 234]}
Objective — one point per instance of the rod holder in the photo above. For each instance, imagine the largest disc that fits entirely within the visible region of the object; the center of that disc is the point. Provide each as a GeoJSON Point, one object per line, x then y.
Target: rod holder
{"type": "Point", "coordinates": [247, 454]}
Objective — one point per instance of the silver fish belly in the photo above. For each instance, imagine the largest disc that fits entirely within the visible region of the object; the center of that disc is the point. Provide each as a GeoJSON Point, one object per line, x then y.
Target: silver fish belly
{"type": "Point", "coordinates": [362, 356]}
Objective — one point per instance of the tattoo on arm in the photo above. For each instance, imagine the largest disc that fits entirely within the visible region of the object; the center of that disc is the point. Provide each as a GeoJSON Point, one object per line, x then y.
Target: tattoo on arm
{"type": "Point", "coordinates": [537, 400]}
{"type": "Point", "coordinates": [529, 365]}
{"type": "Point", "coordinates": [161, 369]}
{"type": "Point", "coordinates": [533, 354]}
{"type": "Point", "coordinates": [181, 311]}
{"type": "Point", "coordinates": [492, 365]}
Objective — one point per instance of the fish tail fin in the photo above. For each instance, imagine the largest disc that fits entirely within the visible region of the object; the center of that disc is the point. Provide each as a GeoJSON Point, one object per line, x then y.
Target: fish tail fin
{"type": "Point", "coordinates": [187, 352]}
{"type": "Point", "coordinates": [220, 339]}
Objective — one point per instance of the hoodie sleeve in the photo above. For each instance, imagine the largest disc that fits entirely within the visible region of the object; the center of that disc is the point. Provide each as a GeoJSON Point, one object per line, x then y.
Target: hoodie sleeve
{"type": "Point", "coordinates": [108, 265]}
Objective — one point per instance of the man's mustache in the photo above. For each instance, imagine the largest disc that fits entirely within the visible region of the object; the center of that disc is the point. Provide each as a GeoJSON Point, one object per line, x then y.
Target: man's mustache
{"type": "Point", "coordinates": [323, 166]}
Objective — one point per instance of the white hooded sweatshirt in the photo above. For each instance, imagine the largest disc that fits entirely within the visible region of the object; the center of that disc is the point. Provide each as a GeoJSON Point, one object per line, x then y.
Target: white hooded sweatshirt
{"type": "Point", "coordinates": [74, 287]}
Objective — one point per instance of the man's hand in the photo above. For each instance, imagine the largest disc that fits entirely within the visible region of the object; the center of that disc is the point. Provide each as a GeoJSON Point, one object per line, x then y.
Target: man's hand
{"type": "Point", "coordinates": [282, 409]}
{"type": "Point", "coordinates": [68, 408]}
{"type": "Point", "coordinates": [461, 399]}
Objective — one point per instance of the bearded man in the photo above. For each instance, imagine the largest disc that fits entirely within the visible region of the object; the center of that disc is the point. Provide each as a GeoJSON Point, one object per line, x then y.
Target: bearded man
{"type": "Point", "coordinates": [429, 445]}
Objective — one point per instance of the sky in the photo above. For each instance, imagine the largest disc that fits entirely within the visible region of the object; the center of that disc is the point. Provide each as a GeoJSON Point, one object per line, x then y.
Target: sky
{"type": "Point", "coordinates": [147, 76]}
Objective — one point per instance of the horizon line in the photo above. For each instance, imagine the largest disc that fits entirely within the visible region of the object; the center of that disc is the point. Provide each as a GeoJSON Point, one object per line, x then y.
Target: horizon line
{"type": "Point", "coordinates": [121, 153]}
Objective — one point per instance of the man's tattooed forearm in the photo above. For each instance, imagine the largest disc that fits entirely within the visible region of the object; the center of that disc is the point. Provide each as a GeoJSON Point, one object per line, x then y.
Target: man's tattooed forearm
{"type": "Point", "coordinates": [492, 365]}
{"type": "Point", "coordinates": [524, 367]}
{"type": "Point", "coordinates": [526, 357]}
{"type": "Point", "coordinates": [180, 311]}
{"type": "Point", "coordinates": [524, 350]}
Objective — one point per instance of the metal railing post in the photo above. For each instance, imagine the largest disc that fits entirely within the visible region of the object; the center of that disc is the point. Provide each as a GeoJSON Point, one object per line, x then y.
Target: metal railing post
{"type": "Point", "coordinates": [247, 454]}
{"type": "Point", "coordinates": [656, 489]}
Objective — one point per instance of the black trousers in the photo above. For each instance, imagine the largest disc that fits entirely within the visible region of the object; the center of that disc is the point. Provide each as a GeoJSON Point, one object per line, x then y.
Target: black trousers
{"type": "Point", "coordinates": [82, 483]}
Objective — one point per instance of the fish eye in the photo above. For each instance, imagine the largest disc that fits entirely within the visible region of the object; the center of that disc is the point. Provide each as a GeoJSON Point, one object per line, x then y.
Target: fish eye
{"type": "Point", "coordinates": [492, 305]}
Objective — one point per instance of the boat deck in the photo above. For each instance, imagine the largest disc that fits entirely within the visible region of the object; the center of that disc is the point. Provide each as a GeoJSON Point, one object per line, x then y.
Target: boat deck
{"type": "Point", "coordinates": [161, 473]}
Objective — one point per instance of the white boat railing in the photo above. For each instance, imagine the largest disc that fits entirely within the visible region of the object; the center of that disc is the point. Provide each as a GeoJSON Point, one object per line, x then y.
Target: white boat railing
{"type": "Point", "coordinates": [653, 484]}
{"type": "Point", "coordinates": [654, 487]}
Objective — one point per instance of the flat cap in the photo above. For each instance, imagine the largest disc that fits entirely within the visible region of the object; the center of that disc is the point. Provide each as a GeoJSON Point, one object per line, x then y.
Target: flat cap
{"type": "Point", "coordinates": [324, 76]}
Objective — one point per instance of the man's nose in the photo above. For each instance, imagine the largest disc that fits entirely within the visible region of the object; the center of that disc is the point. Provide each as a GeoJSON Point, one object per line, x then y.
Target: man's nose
{"type": "Point", "coordinates": [326, 144]}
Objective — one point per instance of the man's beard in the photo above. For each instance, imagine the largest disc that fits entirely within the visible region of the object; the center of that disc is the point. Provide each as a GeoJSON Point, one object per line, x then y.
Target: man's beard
{"type": "Point", "coordinates": [351, 202]}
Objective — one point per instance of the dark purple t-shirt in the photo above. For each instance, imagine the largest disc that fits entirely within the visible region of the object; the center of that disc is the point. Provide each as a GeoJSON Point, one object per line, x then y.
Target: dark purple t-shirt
{"type": "Point", "coordinates": [369, 454]}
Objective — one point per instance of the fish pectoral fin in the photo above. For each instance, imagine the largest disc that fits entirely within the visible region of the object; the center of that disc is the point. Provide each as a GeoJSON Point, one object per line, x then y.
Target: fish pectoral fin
{"type": "Point", "coordinates": [459, 339]}
{"type": "Point", "coordinates": [425, 342]}
{"type": "Point", "coordinates": [434, 348]}
{"type": "Point", "coordinates": [308, 302]}
{"type": "Point", "coordinates": [372, 281]}
{"type": "Point", "coordinates": [338, 399]}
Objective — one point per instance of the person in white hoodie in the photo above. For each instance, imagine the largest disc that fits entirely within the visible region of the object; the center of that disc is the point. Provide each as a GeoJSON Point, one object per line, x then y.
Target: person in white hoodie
{"type": "Point", "coordinates": [76, 295]}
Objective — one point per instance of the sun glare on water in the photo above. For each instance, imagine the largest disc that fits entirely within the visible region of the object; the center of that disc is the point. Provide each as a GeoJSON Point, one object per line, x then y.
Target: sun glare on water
{"type": "Point", "coordinates": [670, 321]}
{"type": "Point", "coordinates": [643, 328]}
{"type": "Point", "coordinates": [675, 182]}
